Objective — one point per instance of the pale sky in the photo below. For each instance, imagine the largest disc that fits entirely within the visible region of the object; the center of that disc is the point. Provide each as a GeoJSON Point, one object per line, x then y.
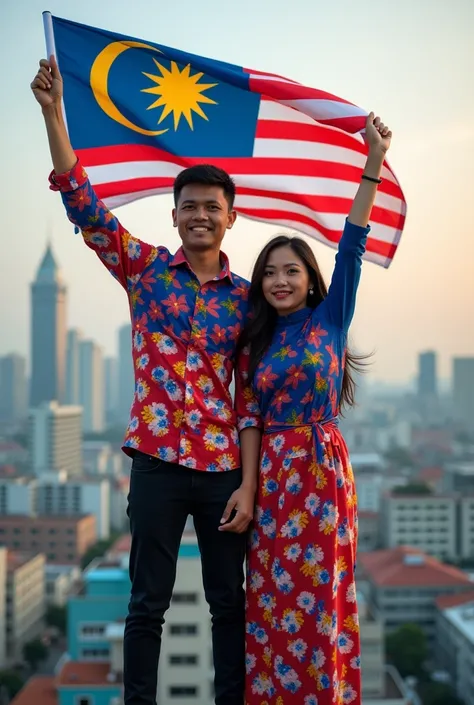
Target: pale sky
{"type": "Point", "coordinates": [412, 61]}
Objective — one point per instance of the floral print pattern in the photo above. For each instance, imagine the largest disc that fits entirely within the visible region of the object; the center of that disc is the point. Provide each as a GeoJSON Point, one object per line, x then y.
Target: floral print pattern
{"type": "Point", "coordinates": [302, 623]}
{"type": "Point", "coordinates": [184, 338]}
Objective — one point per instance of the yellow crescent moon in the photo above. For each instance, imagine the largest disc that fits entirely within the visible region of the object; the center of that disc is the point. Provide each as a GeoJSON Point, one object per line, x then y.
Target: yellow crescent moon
{"type": "Point", "coordinates": [99, 79]}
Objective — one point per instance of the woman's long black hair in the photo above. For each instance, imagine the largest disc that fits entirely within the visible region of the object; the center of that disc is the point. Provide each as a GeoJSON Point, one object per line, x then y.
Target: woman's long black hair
{"type": "Point", "coordinates": [258, 332]}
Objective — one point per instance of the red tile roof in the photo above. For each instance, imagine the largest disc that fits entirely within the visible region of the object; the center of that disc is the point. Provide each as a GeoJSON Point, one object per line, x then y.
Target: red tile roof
{"type": "Point", "coordinates": [389, 568]}
{"type": "Point", "coordinates": [430, 474]}
{"type": "Point", "coordinates": [83, 673]}
{"type": "Point", "coordinates": [39, 690]}
{"type": "Point", "coordinates": [123, 543]}
{"type": "Point", "coordinates": [444, 602]}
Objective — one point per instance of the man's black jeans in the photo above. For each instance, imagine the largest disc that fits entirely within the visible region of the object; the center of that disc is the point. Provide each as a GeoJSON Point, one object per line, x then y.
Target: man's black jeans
{"type": "Point", "coordinates": [162, 495]}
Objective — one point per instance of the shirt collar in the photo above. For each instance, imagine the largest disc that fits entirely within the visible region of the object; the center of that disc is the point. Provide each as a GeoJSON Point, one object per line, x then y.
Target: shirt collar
{"type": "Point", "coordinates": [180, 258]}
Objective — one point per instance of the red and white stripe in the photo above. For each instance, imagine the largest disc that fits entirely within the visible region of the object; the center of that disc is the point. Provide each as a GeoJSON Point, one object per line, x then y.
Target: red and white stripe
{"type": "Point", "coordinates": [306, 166]}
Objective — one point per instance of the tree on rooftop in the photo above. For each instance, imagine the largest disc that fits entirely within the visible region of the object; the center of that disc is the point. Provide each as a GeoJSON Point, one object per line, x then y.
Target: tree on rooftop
{"type": "Point", "coordinates": [11, 682]}
{"type": "Point", "coordinates": [399, 457]}
{"type": "Point", "coordinates": [413, 488]}
{"type": "Point", "coordinates": [98, 550]}
{"type": "Point", "coordinates": [34, 652]}
{"type": "Point", "coordinates": [433, 693]}
{"type": "Point", "coordinates": [406, 649]}
{"type": "Point", "coordinates": [56, 616]}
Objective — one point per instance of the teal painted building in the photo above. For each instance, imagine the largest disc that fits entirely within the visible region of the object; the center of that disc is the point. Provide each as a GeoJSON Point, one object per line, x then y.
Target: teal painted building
{"type": "Point", "coordinates": [103, 601]}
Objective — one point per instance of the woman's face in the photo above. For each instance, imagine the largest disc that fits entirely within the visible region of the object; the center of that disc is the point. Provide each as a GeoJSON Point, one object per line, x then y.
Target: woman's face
{"type": "Point", "coordinates": [286, 281]}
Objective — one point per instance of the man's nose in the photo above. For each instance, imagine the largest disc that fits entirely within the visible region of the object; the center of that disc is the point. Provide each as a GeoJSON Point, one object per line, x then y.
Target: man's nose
{"type": "Point", "coordinates": [201, 213]}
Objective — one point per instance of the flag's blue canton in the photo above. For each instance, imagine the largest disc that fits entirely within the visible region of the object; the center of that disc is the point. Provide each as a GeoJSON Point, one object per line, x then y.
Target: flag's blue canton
{"type": "Point", "coordinates": [230, 107]}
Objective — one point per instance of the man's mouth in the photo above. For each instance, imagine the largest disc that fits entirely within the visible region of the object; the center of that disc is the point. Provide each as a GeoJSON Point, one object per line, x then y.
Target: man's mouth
{"type": "Point", "coordinates": [200, 229]}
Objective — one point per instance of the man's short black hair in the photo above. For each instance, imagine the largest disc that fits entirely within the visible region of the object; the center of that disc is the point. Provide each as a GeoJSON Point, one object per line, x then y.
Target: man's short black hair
{"type": "Point", "coordinates": [208, 175]}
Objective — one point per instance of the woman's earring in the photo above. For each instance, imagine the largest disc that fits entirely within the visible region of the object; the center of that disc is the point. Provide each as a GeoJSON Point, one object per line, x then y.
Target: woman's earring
{"type": "Point", "coordinates": [311, 292]}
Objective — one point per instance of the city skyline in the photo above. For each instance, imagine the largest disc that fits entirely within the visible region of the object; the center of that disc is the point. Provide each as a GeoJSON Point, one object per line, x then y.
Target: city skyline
{"type": "Point", "coordinates": [122, 340]}
{"type": "Point", "coordinates": [421, 87]}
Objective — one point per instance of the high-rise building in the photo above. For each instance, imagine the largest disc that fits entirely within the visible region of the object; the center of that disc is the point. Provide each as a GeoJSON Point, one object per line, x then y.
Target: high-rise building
{"type": "Point", "coordinates": [111, 389]}
{"type": "Point", "coordinates": [55, 439]}
{"type": "Point", "coordinates": [91, 392]}
{"type": "Point", "coordinates": [13, 389]}
{"type": "Point", "coordinates": [25, 600]}
{"type": "Point", "coordinates": [74, 337]}
{"type": "Point", "coordinates": [126, 379]}
{"type": "Point", "coordinates": [463, 391]}
{"type": "Point", "coordinates": [427, 375]}
{"type": "Point", "coordinates": [48, 333]}
{"type": "Point", "coordinates": [73, 496]}
{"type": "Point", "coordinates": [63, 539]}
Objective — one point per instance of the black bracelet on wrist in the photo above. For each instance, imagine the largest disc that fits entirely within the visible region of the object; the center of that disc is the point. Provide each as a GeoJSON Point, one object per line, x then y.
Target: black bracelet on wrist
{"type": "Point", "coordinates": [371, 178]}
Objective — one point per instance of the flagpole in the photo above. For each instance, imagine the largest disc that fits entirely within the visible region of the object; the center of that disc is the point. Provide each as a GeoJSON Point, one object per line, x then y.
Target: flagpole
{"type": "Point", "coordinates": [51, 47]}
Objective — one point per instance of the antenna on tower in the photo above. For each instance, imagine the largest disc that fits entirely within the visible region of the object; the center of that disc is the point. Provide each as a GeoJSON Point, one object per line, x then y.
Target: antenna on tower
{"type": "Point", "coordinates": [49, 232]}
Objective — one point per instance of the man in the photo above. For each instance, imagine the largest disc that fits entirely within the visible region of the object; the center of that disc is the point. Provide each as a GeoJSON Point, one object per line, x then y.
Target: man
{"type": "Point", "coordinates": [187, 311]}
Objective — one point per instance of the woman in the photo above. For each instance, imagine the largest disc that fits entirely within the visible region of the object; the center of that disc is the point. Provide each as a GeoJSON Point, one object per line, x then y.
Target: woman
{"type": "Point", "coordinates": [302, 622]}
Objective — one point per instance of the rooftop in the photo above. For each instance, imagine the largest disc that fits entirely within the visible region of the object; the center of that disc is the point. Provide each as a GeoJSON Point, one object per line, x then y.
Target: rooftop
{"type": "Point", "coordinates": [188, 548]}
{"type": "Point", "coordinates": [39, 690]}
{"type": "Point", "coordinates": [360, 460]}
{"type": "Point", "coordinates": [407, 567]}
{"type": "Point", "coordinates": [427, 497]}
{"type": "Point", "coordinates": [85, 673]}
{"type": "Point", "coordinates": [430, 474]}
{"type": "Point", "coordinates": [444, 602]}
{"type": "Point", "coordinates": [461, 467]}
{"type": "Point", "coordinates": [121, 545]}
{"type": "Point", "coordinates": [17, 559]}
{"type": "Point", "coordinates": [462, 618]}
{"type": "Point", "coordinates": [50, 519]}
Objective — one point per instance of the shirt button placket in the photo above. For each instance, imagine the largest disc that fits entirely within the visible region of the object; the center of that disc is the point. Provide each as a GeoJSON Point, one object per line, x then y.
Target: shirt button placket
{"type": "Point", "coordinates": [188, 372]}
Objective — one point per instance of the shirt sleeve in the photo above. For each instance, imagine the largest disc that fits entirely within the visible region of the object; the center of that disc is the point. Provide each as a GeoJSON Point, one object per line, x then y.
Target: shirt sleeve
{"type": "Point", "coordinates": [341, 299]}
{"type": "Point", "coordinates": [123, 255]}
{"type": "Point", "coordinates": [246, 405]}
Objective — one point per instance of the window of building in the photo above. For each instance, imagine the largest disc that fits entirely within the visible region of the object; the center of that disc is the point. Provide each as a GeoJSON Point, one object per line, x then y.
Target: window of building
{"type": "Point", "coordinates": [183, 629]}
{"type": "Point", "coordinates": [185, 598]}
{"type": "Point", "coordinates": [92, 630]}
{"type": "Point", "coordinates": [183, 691]}
{"type": "Point", "coordinates": [84, 700]}
{"type": "Point", "coordinates": [183, 660]}
{"type": "Point", "coordinates": [95, 654]}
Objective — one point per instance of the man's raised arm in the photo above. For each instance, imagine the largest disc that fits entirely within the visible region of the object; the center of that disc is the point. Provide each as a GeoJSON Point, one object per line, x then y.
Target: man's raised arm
{"type": "Point", "coordinates": [124, 256]}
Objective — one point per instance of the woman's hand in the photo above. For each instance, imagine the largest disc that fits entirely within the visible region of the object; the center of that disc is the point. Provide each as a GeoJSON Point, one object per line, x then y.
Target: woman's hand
{"type": "Point", "coordinates": [378, 135]}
